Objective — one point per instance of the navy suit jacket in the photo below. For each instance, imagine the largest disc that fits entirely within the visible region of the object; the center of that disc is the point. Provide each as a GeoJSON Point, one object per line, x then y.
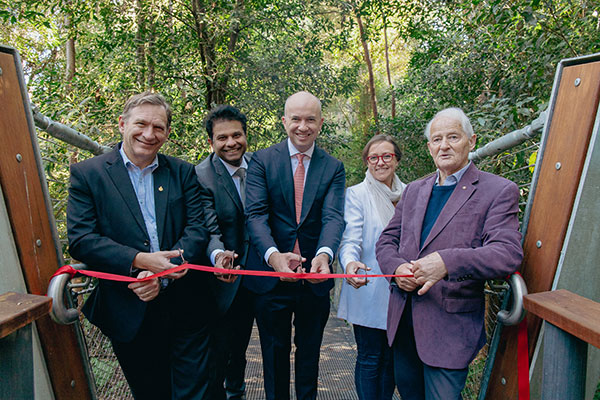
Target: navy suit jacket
{"type": "Point", "coordinates": [106, 230]}
{"type": "Point", "coordinates": [271, 212]}
{"type": "Point", "coordinates": [477, 236]}
{"type": "Point", "coordinates": [224, 213]}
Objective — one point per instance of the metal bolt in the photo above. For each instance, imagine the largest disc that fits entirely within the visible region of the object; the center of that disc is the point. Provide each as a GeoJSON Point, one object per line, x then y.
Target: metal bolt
{"type": "Point", "coordinates": [558, 165]}
{"type": "Point", "coordinates": [577, 81]}
{"type": "Point", "coordinates": [72, 383]}
{"type": "Point", "coordinates": [38, 243]}
{"type": "Point", "coordinates": [19, 157]}
{"type": "Point", "coordinates": [503, 380]}
{"type": "Point", "coordinates": [538, 244]}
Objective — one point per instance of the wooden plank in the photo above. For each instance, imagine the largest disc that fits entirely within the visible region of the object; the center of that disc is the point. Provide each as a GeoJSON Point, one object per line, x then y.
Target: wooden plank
{"type": "Point", "coordinates": [570, 312]}
{"type": "Point", "coordinates": [567, 143]}
{"type": "Point", "coordinates": [18, 310]}
{"type": "Point", "coordinates": [21, 178]}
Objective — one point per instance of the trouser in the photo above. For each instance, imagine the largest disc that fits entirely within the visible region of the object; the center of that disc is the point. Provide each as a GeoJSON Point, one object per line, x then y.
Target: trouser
{"type": "Point", "coordinates": [275, 311]}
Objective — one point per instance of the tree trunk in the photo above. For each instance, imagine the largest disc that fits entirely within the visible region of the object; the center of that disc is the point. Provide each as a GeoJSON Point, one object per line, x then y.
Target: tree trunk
{"type": "Point", "coordinates": [387, 63]}
{"type": "Point", "coordinates": [369, 68]}
{"type": "Point", "coordinates": [140, 52]}
{"type": "Point", "coordinates": [69, 51]}
{"type": "Point", "coordinates": [216, 82]}
{"type": "Point", "coordinates": [150, 56]}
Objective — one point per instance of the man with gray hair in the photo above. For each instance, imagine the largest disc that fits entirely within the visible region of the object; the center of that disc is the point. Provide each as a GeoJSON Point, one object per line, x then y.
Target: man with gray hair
{"type": "Point", "coordinates": [452, 231]}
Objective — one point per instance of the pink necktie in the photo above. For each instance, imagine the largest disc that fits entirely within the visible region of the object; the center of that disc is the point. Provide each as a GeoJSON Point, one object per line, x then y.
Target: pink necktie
{"type": "Point", "coordinates": [298, 192]}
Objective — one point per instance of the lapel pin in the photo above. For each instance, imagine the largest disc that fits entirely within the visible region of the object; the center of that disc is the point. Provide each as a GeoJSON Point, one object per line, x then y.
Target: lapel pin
{"type": "Point", "coordinates": [160, 189]}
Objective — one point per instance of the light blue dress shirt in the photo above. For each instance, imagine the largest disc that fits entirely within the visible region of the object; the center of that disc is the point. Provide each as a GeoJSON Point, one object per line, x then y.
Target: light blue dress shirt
{"type": "Point", "coordinates": [143, 185]}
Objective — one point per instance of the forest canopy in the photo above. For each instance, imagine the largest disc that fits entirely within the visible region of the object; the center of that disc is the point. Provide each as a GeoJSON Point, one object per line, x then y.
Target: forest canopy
{"type": "Point", "coordinates": [379, 66]}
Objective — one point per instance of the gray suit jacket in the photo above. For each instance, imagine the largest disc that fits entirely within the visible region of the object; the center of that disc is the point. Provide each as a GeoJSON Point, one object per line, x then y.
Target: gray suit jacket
{"type": "Point", "coordinates": [224, 214]}
{"type": "Point", "coordinates": [477, 236]}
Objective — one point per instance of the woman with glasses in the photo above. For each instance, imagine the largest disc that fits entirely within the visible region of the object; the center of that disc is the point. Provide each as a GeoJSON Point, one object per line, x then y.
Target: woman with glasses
{"type": "Point", "coordinates": [363, 301]}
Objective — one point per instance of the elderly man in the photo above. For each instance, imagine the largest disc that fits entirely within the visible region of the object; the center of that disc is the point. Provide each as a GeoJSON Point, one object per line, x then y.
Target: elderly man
{"type": "Point", "coordinates": [452, 230]}
{"type": "Point", "coordinates": [132, 212]}
{"type": "Point", "coordinates": [294, 211]}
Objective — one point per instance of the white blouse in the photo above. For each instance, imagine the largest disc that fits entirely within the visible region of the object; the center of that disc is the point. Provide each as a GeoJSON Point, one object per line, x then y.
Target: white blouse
{"type": "Point", "coordinates": [368, 305]}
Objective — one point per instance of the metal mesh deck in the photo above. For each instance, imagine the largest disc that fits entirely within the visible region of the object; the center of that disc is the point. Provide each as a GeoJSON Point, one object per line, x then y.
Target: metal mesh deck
{"type": "Point", "coordinates": [336, 367]}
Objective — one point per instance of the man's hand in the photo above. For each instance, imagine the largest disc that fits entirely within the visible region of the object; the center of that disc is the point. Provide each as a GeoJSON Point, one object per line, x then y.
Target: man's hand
{"type": "Point", "coordinates": [428, 271]}
{"type": "Point", "coordinates": [352, 268]}
{"type": "Point", "coordinates": [319, 265]}
{"type": "Point", "coordinates": [225, 260]}
{"type": "Point", "coordinates": [158, 261]}
{"type": "Point", "coordinates": [146, 290]}
{"type": "Point", "coordinates": [286, 262]}
{"type": "Point", "coordinates": [406, 284]}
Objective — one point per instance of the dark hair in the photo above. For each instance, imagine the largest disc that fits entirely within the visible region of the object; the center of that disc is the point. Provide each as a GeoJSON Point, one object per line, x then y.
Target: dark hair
{"type": "Point", "coordinates": [377, 139]}
{"type": "Point", "coordinates": [155, 99]}
{"type": "Point", "coordinates": [226, 113]}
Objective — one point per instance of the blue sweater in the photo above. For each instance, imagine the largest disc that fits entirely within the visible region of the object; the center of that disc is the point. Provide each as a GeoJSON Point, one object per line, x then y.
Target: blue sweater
{"type": "Point", "coordinates": [439, 197]}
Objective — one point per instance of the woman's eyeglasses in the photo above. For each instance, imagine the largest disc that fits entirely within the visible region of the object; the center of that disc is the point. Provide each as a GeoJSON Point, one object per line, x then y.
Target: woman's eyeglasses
{"type": "Point", "coordinates": [386, 158]}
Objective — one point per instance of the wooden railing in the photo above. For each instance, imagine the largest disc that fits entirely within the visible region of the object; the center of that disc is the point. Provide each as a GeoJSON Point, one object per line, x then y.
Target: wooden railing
{"type": "Point", "coordinates": [17, 313]}
{"type": "Point", "coordinates": [571, 322]}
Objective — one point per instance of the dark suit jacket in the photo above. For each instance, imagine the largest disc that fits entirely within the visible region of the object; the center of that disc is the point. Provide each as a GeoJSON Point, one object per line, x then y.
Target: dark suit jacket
{"type": "Point", "coordinates": [224, 214]}
{"type": "Point", "coordinates": [271, 214]}
{"type": "Point", "coordinates": [477, 236]}
{"type": "Point", "coordinates": [106, 230]}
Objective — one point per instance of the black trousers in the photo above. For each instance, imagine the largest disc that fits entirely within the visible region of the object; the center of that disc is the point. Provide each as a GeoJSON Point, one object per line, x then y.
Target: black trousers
{"type": "Point", "coordinates": [276, 310]}
{"type": "Point", "coordinates": [230, 335]}
{"type": "Point", "coordinates": [164, 360]}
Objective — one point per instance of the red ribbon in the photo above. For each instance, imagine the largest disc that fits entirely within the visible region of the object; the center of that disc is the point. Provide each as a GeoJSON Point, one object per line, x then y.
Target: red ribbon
{"type": "Point", "coordinates": [67, 269]}
{"type": "Point", "coordinates": [523, 361]}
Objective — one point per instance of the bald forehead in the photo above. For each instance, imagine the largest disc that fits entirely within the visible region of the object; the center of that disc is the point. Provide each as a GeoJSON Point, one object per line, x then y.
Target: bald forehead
{"type": "Point", "coordinates": [302, 99]}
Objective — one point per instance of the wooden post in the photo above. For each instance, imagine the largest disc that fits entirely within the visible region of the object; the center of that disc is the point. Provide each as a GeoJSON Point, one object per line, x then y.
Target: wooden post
{"type": "Point", "coordinates": [565, 361]}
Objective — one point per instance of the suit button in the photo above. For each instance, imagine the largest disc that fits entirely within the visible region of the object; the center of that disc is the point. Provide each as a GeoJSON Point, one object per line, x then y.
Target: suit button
{"type": "Point", "coordinates": [146, 243]}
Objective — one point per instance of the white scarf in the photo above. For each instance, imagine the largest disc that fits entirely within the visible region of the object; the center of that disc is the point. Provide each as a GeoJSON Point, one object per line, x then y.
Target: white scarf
{"type": "Point", "coordinates": [384, 197]}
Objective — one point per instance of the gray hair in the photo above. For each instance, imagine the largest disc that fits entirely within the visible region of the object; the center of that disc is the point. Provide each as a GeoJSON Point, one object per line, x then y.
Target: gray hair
{"type": "Point", "coordinates": [155, 99]}
{"type": "Point", "coordinates": [456, 114]}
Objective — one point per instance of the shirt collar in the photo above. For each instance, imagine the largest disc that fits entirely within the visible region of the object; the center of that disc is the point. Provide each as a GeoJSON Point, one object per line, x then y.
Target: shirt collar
{"type": "Point", "coordinates": [454, 178]}
{"type": "Point", "coordinates": [233, 169]}
{"type": "Point", "coordinates": [293, 150]}
{"type": "Point", "coordinates": [129, 163]}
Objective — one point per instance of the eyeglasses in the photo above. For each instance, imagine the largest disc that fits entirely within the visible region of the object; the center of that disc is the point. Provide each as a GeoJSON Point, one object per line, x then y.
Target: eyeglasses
{"type": "Point", "coordinates": [386, 158]}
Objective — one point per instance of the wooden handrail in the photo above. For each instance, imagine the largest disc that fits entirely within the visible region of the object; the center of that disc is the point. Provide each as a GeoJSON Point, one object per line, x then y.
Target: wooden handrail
{"type": "Point", "coordinates": [18, 310]}
{"type": "Point", "coordinates": [568, 311]}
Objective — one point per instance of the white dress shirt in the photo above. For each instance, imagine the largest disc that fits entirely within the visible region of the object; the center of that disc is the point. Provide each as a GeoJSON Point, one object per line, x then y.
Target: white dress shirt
{"type": "Point", "coordinates": [368, 305]}
{"type": "Point", "coordinates": [236, 181]}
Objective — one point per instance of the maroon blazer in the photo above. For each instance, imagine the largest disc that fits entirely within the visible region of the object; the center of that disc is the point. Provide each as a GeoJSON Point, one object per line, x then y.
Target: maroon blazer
{"type": "Point", "coordinates": [477, 236]}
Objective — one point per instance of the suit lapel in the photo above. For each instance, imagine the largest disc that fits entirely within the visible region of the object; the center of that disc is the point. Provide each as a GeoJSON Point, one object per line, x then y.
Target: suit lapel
{"type": "Point", "coordinates": [286, 178]}
{"type": "Point", "coordinates": [162, 181]}
{"type": "Point", "coordinates": [463, 191]}
{"type": "Point", "coordinates": [118, 174]}
{"type": "Point", "coordinates": [226, 181]}
{"type": "Point", "coordinates": [315, 171]}
{"type": "Point", "coordinates": [421, 207]}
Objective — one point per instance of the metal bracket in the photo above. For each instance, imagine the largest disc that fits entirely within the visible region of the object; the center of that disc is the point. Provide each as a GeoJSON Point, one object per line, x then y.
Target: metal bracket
{"type": "Point", "coordinates": [57, 289]}
{"type": "Point", "coordinates": [518, 289]}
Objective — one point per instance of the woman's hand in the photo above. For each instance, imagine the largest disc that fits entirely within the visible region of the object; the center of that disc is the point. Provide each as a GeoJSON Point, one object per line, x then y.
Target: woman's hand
{"type": "Point", "coordinates": [353, 268]}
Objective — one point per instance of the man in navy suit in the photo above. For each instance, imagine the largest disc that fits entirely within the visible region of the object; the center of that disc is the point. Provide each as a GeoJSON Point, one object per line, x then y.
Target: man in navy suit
{"type": "Point", "coordinates": [131, 212]}
{"type": "Point", "coordinates": [294, 217]}
{"type": "Point", "coordinates": [223, 176]}
{"type": "Point", "coordinates": [452, 230]}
